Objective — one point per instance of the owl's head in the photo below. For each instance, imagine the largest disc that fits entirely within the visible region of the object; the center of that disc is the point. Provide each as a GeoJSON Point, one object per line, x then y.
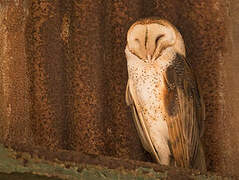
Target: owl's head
{"type": "Point", "coordinates": [149, 38]}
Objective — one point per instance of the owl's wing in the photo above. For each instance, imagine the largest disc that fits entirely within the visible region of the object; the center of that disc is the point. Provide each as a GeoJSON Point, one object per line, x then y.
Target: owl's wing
{"type": "Point", "coordinates": [132, 101]}
{"type": "Point", "coordinates": [185, 113]}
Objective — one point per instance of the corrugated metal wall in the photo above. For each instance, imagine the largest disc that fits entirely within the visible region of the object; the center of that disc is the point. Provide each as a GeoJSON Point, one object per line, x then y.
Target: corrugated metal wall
{"type": "Point", "coordinates": [63, 74]}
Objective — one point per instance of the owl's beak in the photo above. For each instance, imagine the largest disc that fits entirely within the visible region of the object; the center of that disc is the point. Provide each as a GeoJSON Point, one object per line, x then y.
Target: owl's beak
{"type": "Point", "coordinates": [148, 59]}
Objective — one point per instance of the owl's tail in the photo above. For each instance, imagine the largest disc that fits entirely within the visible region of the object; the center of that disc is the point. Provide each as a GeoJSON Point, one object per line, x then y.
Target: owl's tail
{"type": "Point", "coordinates": [200, 162]}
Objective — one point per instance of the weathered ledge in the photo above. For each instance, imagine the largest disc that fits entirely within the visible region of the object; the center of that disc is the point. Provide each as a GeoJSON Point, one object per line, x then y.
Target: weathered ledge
{"type": "Point", "coordinates": [26, 162]}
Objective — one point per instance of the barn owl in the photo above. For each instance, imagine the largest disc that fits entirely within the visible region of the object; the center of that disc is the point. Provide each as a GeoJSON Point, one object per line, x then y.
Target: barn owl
{"type": "Point", "coordinates": [164, 95]}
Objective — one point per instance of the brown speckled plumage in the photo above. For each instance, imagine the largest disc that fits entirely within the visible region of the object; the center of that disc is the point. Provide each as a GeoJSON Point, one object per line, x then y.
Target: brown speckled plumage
{"type": "Point", "coordinates": [164, 95]}
{"type": "Point", "coordinates": [185, 114]}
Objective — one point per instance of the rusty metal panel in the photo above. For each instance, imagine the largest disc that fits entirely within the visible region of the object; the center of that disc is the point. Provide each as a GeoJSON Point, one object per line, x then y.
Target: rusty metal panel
{"type": "Point", "coordinates": [40, 163]}
{"type": "Point", "coordinates": [63, 73]}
